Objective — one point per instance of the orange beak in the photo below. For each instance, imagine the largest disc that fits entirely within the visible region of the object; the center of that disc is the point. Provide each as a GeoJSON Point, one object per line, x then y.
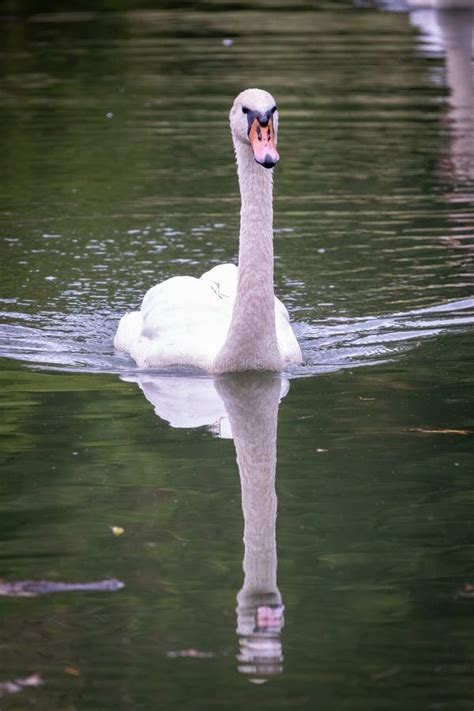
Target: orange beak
{"type": "Point", "coordinates": [262, 140]}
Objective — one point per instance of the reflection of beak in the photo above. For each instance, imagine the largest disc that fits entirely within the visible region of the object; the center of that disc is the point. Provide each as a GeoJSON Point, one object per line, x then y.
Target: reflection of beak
{"type": "Point", "coordinates": [262, 140]}
{"type": "Point", "coordinates": [269, 618]}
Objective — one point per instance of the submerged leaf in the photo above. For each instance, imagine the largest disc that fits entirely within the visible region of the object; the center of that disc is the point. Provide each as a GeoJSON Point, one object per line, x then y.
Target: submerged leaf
{"type": "Point", "coordinates": [72, 671]}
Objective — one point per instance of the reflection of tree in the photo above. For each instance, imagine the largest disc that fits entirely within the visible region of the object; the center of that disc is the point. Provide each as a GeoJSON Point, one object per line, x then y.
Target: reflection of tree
{"type": "Point", "coordinates": [457, 29]}
{"type": "Point", "coordinates": [450, 29]}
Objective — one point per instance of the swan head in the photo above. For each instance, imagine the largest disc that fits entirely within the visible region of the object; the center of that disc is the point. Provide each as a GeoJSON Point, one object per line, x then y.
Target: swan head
{"type": "Point", "coordinates": [254, 121]}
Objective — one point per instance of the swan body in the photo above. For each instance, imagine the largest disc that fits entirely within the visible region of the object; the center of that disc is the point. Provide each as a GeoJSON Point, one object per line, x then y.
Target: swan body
{"type": "Point", "coordinates": [184, 321]}
{"type": "Point", "coordinates": [229, 319]}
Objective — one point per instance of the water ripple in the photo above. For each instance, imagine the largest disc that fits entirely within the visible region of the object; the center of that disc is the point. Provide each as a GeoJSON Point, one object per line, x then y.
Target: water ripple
{"type": "Point", "coordinates": [84, 343]}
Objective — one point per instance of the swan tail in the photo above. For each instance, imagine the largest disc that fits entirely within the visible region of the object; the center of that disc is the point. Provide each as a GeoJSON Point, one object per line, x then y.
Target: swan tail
{"type": "Point", "coordinates": [128, 331]}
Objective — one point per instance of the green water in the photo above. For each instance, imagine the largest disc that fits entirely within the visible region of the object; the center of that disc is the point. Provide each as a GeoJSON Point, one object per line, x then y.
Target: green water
{"type": "Point", "coordinates": [117, 172]}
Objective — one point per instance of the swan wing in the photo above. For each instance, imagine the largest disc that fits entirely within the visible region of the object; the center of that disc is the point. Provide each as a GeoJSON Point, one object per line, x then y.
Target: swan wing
{"type": "Point", "coordinates": [287, 342]}
{"type": "Point", "coordinates": [222, 280]}
{"type": "Point", "coordinates": [182, 321]}
{"type": "Point", "coordinates": [128, 331]}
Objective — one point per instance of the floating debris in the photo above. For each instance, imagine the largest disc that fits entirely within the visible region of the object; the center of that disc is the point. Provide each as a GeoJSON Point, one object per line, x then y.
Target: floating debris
{"type": "Point", "coordinates": [13, 687]}
{"type": "Point", "coordinates": [426, 430]}
{"type": "Point", "coordinates": [385, 673]}
{"type": "Point", "coordinates": [466, 591]}
{"type": "Point", "coordinates": [194, 653]}
{"type": "Point", "coordinates": [227, 42]}
{"type": "Point", "coordinates": [32, 588]}
{"type": "Point", "coordinates": [117, 530]}
{"type": "Point", "coordinates": [72, 671]}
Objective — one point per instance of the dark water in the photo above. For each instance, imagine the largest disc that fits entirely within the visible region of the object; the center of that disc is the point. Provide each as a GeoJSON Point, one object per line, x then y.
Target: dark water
{"type": "Point", "coordinates": [117, 172]}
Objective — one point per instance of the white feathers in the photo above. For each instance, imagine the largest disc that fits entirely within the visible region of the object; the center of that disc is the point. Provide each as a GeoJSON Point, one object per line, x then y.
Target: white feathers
{"type": "Point", "coordinates": [185, 321]}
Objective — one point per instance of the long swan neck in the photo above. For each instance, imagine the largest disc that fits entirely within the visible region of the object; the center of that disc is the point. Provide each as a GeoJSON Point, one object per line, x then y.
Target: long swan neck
{"type": "Point", "coordinates": [256, 192]}
{"type": "Point", "coordinates": [251, 342]}
{"type": "Point", "coordinates": [255, 240]}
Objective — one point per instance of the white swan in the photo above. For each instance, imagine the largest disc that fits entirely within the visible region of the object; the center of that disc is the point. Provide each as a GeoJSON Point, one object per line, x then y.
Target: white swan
{"type": "Point", "coordinates": [229, 319]}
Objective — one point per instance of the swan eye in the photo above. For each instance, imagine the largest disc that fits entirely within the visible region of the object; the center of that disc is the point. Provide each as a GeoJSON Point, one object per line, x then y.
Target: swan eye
{"type": "Point", "coordinates": [273, 109]}
{"type": "Point", "coordinates": [245, 110]}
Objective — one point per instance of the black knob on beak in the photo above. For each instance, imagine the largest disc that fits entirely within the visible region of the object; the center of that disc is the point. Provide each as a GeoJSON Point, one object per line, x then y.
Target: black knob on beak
{"type": "Point", "coordinates": [268, 162]}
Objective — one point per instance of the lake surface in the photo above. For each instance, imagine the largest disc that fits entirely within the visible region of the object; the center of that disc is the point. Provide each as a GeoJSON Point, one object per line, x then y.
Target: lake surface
{"type": "Point", "coordinates": [334, 559]}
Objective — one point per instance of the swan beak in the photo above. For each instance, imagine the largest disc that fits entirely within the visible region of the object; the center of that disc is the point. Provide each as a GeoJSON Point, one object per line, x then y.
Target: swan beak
{"type": "Point", "coordinates": [262, 141]}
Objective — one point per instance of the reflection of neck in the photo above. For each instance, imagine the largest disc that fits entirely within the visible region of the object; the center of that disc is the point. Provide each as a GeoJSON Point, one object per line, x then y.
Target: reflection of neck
{"type": "Point", "coordinates": [253, 413]}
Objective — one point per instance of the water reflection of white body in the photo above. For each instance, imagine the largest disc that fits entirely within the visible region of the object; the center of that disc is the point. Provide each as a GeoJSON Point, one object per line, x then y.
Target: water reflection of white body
{"type": "Point", "coordinates": [244, 407]}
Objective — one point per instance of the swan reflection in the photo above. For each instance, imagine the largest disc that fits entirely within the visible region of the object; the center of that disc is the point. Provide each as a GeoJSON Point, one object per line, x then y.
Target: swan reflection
{"type": "Point", "coordinates": [243, 407]}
